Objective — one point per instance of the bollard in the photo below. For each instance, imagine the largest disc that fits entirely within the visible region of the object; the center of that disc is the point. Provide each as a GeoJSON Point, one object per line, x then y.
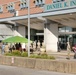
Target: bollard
{"type": "Point", "coordinates": [12, 60]}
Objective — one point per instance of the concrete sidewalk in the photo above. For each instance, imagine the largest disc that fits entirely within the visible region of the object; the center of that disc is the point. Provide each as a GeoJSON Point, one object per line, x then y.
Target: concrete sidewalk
{"type": "Point", "coordinates": [62, 55]}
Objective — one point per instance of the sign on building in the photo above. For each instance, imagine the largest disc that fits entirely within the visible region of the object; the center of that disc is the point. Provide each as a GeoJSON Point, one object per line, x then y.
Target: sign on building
{"type": "Point", "coordinates": [67, 4]}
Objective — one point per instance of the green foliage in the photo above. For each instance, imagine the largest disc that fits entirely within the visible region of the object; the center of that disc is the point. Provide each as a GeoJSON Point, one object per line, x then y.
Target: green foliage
{"type": "Point", "coordinates": [51, 57]}
{"type": "Point", "coordinates": [42, 56]}
{"type": "Point", "coordinates": [24, 54]}
{"type": "Point", "coordinates": [8, 54]}
{"type": "Point", "coordinates": [16, 53]}
{"type": "Point", "coordinates": [33, 56]}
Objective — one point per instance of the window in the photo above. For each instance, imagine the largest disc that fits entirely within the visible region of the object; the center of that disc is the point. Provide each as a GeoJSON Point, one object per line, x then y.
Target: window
{"type": "Point", "coordinates": [1, 9]}
{"type": "Point", "coordinates": [10, 7]}
{"type": "Point", "coordinates": [39, 2]}
{"type": "Point", "coordinates": [23, 4]}
{"type": "Point", "coordinates": [54, 1]}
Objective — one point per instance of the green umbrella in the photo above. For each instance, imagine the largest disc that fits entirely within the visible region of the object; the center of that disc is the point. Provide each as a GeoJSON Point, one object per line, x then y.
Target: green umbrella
{"type": "Point", "coordinates": [16, 39]}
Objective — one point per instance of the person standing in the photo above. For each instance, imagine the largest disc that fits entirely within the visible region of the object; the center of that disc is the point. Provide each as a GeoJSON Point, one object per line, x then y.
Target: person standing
{"type": "Point", "coordinates": [20, 47]}
{"type": "Point", "coordinates": [38, 45]}
{"type": "Point", "coordinates": [17, 46]}
{"type": "Point", "coordinates": [68, 50]}
{"type": "Point", "coordinates": [59, 46]}
{"type": "Point", "coordinates": [34, 45]}
{"type": "Point", "coordinates": [3, 48]}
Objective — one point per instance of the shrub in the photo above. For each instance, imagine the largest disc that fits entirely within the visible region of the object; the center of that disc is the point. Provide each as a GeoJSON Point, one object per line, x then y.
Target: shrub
{"type": "Point", "coordinates": [33, 56]}
{"type": "Point", "coordinates": [42, 56]}
{"type": "Point", "coordinates": [16, 53]}
{"type": "Point", "coordinates": [24, 54]}
{"type": "Point", "coordinates": [51, 57]}
{"type": "Point", "coordinates": [8, 54]}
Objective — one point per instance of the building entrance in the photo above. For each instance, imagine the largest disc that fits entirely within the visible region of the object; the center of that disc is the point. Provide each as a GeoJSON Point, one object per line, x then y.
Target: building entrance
{"type": "Point", "coordinates": [63, 39]}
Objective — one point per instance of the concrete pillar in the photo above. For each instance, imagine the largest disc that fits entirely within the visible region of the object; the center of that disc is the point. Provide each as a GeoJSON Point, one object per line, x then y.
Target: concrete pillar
{"type": "Point", "coordinates": [22, 30]}
{"type": "Point", "coordinates": [19, 30]}
{"type": "Point", "coordinates": [51, 37]}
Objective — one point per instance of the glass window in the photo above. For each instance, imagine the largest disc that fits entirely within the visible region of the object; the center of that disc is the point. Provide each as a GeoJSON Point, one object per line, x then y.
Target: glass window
{"type": "Point", "coordinates": [39, 2]}
{"type": "Point", "coordinates": [23, 4]}
{"type": "Point", "coordinates": [10, 6]}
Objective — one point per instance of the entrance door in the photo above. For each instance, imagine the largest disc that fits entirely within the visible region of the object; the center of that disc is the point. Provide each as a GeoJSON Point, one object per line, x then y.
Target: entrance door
{"type": "Point", "coordinates": [63, 39]}
{"type": "Point", "coordinates": [39, 37]}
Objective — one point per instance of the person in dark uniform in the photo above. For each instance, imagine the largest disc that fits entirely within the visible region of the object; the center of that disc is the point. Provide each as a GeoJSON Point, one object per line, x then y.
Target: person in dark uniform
{"type": "Point", "coordinates": [20, 47]}
{"type": "Point", "coordinates": [59, 46]}
{"type": "Point", "coordinates": [17, 46]}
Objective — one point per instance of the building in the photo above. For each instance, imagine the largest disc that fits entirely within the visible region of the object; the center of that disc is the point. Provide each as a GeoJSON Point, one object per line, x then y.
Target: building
{"type": "Point", "coordinates": [51, 20]}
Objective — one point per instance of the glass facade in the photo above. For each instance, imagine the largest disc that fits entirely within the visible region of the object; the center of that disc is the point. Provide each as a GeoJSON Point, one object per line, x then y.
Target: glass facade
{"type": "Point", "coordinates": [33, 35]}
{"type": "Point", "coordinates": [63, 38]}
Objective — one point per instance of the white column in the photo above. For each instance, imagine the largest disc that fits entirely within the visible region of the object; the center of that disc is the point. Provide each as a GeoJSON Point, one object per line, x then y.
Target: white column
{"type": "Point", "coordinates": [51, 37]}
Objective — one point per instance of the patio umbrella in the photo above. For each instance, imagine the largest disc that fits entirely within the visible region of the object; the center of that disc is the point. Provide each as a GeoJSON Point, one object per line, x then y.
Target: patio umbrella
{"type": "Point", "coordinates": [16, 39]}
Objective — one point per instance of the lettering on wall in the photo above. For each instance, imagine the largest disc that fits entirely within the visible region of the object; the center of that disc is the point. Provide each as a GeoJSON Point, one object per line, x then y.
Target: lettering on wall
{"type": "Point", "coordinates": [60, 5]}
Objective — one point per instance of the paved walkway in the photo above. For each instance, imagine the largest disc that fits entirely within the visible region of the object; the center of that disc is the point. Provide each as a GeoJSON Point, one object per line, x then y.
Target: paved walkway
{"type": "Point", "coordinates": [63, 55]}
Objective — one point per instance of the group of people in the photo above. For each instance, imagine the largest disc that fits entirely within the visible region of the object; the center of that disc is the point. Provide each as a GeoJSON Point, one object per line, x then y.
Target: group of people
{"type": "Point", "coordinates": [37, 45]}
{"type": "Point", "coordinates": [69, 47]}
{"type": "Point", "coordinates": [16, 46]}
{"type": "Point", "coordinates": [34, 46]}
{"type": "Point", "coordinates": [6, 47]}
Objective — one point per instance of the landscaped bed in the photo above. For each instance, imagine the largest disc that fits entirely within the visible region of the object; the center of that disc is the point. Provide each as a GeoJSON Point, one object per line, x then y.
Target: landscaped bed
{"type": "Point", "coordinates": [25, 54]}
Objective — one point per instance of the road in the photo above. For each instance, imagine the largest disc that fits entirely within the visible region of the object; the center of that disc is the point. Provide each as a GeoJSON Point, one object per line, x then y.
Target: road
{"type": "Point", "coordinates": [9, 70]}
